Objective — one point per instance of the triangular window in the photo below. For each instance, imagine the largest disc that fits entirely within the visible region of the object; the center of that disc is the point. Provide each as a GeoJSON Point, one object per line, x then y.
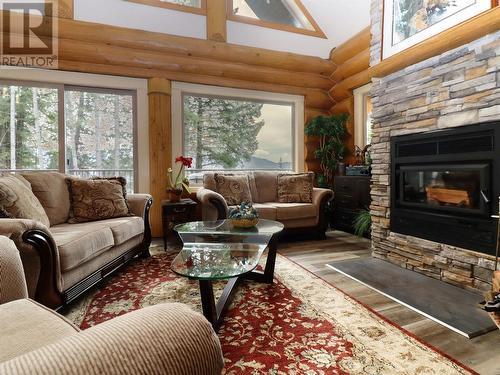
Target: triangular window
{"type": "Point", "coordinates": [287, 15]}
{"type": "Point", "coordinates": [192, 6]}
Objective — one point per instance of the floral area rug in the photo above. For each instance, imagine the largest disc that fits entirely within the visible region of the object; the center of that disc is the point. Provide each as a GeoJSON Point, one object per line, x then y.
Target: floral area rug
{"type": "Point", "coordinates": [298, 325]}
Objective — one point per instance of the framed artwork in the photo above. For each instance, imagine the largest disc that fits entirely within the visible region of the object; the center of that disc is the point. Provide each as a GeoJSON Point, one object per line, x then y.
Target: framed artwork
{"type": "Point", "coordinates": [409, 22]}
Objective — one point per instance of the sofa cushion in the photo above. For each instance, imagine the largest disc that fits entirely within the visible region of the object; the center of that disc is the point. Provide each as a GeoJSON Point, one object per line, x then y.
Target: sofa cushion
{"type": "Point", "coordinates": [295, 188]}
{"type": "Point", "coordinates": [52, 191]}
{"type": "Point", "coordinates": [235, 189]}
{"type": "Point", "coordinates": [267, 186]}
{"type": "Point", "coordinates": [124, 228]}
{"type": "Point", "coordinates": [78, 243]}
{"type": "Point", "coordinates": [96, 200]}
{"type": "Point", "coordinates": [77, 274]}
{"type": "Point", "coordinates": [17, 199]}
{"type": "Point", "coordinates": [265, 211]}
{"type": "Point", "coordinates": [29, 326]}
{"type": "Point", "coordinates": [293, 211]}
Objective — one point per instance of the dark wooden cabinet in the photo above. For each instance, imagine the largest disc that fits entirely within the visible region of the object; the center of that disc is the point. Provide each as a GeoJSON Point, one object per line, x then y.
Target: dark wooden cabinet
{"type": "Point", "coordinates": [173, 213]}
{"type": "Point", "coordinates": [352, 194]}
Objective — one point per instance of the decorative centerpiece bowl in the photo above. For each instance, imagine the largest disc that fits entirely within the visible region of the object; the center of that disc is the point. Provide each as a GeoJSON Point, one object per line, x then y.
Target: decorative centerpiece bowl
{"type": "Point", "coordinates": [244, 216]}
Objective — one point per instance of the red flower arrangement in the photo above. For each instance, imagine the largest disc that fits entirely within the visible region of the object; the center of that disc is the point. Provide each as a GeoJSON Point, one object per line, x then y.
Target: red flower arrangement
{"type": "Point", "coordinates": [180, 183]}
{"type": "Point", "coordinates": [186, 162]}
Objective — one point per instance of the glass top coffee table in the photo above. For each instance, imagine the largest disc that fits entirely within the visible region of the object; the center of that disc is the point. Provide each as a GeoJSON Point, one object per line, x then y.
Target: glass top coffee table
{"type": "Point", "coordinates": [215, 250]}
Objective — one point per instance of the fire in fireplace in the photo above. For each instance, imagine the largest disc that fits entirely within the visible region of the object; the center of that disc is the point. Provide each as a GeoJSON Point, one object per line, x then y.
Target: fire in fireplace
{"type": "Point", "coordinates": [445, 185]}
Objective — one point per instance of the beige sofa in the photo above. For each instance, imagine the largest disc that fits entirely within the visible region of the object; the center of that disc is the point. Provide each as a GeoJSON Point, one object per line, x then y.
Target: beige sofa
{"type": "Point", "coordinates": [307, 218]}
{"type": "Point", "coordinates": [64, 260]}
{"type": "Point", "coordinates": [163, 339]}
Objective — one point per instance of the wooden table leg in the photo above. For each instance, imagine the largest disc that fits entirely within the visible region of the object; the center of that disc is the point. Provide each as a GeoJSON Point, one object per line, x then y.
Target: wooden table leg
{"type": "Point", "coordinates": [208, 302]}
{"type": "Point", "coordinates": [268, 275]}
{"type": "Point", "coordinates": [271, 261]}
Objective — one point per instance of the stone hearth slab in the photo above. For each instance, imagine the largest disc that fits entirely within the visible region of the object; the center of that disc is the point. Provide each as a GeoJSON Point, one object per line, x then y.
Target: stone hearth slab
{"type": "Point", "coordinates": [450, 306]}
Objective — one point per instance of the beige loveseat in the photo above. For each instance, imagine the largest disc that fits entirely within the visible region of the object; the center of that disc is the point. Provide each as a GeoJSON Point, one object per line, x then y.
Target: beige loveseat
{"type": "Point", "coordinates": [64, 260]}
{"type": "Point", "coordinates": [163, 339]}
{"type": "Point", "coordinates": [308, 218]}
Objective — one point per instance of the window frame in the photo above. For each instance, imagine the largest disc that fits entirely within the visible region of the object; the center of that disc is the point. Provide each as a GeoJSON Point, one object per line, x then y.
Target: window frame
{"type": "Point", "coordinates": [360, 116]}
{"type": "Point", "coordinates": [181, 89]}
{"type": "Point", "coordinates": [316, 32]}
{"type": "Point", "coordinates": [61, 91]}
{"type": "Point", "coordinates": [202, 10]}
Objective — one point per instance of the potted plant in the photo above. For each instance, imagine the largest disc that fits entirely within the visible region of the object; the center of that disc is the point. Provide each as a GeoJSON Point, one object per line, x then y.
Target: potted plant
{"type": "Point", "coordinates": [363, 223]}
{"type": "Point", "coordinates": [180, 184]}
{"type": "Point", "coordinates": [331, 131]}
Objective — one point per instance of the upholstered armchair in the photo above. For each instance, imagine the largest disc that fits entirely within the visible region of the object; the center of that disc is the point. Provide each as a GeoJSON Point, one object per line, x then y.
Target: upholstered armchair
{"type": "Point", "coordinates": [162, 339]}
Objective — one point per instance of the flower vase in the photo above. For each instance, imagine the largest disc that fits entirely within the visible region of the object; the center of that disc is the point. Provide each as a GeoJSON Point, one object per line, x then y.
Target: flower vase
{"type": "Point", "coordinates": [174, 195]}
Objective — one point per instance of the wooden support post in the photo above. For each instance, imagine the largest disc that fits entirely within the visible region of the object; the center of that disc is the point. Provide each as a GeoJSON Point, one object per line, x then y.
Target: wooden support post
{"type": "Point", "coordinates": [216, 20]}
{"type": "Point", "coordinates": [64, 9]}
{"type": "Point", "coordinates": [160, 146]}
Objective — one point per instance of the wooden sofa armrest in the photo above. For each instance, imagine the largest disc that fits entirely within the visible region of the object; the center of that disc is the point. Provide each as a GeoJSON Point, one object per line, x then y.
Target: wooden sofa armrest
{"type": "Point", "coordinates": [213, 204]}
{"type": "Point", "coordinates": [140, 205]}
{"type": "Point", "coordinates": [321, 197]}
{"type": "Point", "coordinates": [40, 258]}
{"type": "Point", "coordinates": [161, 339]}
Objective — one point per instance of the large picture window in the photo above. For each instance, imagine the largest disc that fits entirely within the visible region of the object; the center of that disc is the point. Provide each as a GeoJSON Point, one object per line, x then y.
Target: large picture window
{"type": "Point", "coordinates": [75, 130]}
{"type": "Point", "coordinates": [29, 123]}
{"type": "Point", "coordinates": [236, 133]}
{"type": "Point", "coordinates": [99, 128]}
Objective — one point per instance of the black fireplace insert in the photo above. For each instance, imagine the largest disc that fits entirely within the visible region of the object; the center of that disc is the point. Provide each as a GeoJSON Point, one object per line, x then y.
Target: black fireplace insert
{"type": "Point", "coordinates": [445, 186]}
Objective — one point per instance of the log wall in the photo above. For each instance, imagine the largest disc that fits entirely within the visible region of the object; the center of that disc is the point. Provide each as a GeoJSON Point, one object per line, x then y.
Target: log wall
{"type": "Point", "coordinates": [352, 61]}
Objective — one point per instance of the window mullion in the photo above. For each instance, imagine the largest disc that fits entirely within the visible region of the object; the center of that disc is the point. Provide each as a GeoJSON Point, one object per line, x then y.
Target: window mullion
{"type": "Point", "coordinates": [62, 130]}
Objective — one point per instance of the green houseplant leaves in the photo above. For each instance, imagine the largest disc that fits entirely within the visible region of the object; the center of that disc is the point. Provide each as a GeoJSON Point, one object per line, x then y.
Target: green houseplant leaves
{"type": "Point", "coordinates": [331, 131]}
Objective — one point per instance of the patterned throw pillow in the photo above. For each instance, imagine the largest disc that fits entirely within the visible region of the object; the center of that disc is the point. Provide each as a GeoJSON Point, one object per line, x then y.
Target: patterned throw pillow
{"type": "Point", "coordinates": [234, 188]}
{"type": "Point", "coordinates": [295, 188]}
{"type": "Point", "coordinates": [97, 199]}
{"type": "Point", "coordinates": [18, 201]}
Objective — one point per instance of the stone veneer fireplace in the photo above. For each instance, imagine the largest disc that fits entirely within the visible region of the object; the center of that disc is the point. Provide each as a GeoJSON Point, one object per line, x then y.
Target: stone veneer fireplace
{"type": "Point", "coordinates": [458, 88]}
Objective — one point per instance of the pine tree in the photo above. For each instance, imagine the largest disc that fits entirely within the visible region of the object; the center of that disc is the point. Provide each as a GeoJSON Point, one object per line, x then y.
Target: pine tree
{"type": "Point", "coordinates": [220, 133]}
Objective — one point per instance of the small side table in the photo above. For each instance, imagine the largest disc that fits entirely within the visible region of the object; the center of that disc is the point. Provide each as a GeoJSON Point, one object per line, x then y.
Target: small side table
{"type": "Point", "coordinates": [173, 213]}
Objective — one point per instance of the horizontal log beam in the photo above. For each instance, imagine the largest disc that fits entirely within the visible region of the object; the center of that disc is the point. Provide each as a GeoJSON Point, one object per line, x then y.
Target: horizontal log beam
{"type": "Point", "coordinates": [352, 47]}
{"type": "Point", "coordinates": [341, 107]}
{"type": "Point", "coordinates": [314, 98]}
{"type": "Point", "coordinates": [472, 29]}
{"type": "Point", "coordinates": [72, 50]}
{"type": "Point", "coordinates": [310, 113]}
{"type": "Point", "coordinates": [352, 66]}
{"type": "Point", "coordinates": [178, 45]}
{"type": "Point", "coordinates": [344, 89]}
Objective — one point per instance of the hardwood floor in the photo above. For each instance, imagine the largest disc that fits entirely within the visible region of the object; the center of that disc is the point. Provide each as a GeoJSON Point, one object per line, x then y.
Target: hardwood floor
{"type": "Point", "coordinates": [482, 354]}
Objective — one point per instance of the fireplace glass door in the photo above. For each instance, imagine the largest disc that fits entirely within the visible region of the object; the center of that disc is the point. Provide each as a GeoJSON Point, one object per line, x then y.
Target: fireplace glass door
{"type": "Point", "coordinates": [461, 188]}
